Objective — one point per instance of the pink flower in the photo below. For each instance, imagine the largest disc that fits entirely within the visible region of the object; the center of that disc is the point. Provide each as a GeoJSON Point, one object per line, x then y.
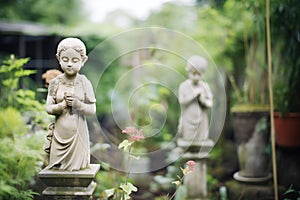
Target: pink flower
{"type": "Point", "coordinates": [137, 137]}
{"type": "Point", "coordinates": [129, 130]}
{"type": "Point", "coordinates": [134, 134]}
{"type": "Point", "coordinates": [191, 164]}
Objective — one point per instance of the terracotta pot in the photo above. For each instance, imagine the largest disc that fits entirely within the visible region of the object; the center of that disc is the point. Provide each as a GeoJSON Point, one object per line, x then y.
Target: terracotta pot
{"type": "Point", "coordinates": [252, 135]}
{"type": "Point", "coordinates": [287, 129]}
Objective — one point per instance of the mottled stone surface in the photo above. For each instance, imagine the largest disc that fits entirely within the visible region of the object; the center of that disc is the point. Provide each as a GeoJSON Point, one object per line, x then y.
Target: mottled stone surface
{"type": "Point", "coordinates": [70, 99]}
{"type": "Point", "coordinates": [80, 178]}
{"type": "Point", "coordinates": [195, 99]}
{"type": "Point", "coordinates": [69, 184]}
{"type": "Point", "coordinates": [195, 181]}
{"type": "Point", "coordinates": [252, 134]}
{"type": "Point", "coordinates": [70, 193]}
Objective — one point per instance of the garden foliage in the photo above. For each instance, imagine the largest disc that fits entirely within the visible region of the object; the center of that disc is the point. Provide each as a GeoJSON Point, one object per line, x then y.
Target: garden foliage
{"type": "Point", "coordinates": [21, 141]}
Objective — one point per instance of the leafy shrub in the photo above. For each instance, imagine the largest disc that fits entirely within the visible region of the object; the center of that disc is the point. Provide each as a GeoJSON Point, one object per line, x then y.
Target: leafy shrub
{"type": "Point", "coordinates": [11, 72]}
{"type": "Point", "coordinates": [11, 123]}
{"type": "Point", "coordinates": [21, 156]}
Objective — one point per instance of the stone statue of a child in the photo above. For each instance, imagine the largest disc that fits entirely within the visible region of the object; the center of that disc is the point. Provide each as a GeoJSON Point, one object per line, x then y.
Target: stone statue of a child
{"type": "Point", "coordinates": [70, 98]}
{"type": "Point", "coordinates": [195, 99]}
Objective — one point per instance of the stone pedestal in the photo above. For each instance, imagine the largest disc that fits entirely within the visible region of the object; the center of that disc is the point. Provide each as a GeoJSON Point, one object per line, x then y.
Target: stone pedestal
{"type": "Point", "coordinates": [195, 182]}
{"type": "Point", "coordinates": [69, 185]}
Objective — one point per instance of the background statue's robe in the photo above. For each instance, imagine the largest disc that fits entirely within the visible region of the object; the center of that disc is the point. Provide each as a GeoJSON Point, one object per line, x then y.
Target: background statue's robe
{"type": "Point", "coordinates": [194, 120]}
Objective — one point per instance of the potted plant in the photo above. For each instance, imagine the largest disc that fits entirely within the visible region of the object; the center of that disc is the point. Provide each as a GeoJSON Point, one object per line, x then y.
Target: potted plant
{"type": "Point", "coordinates": [250, 110]}
{"type": "Point", "coordinates": [286, 50]}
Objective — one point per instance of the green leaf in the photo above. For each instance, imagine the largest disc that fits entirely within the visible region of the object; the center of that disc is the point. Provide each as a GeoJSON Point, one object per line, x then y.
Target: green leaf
{"type": "Point", "coordinates": [22, 73]}
{"type": "Point", "coordinates": [128, 188]}
{"type": "Point", "coordinates": [11, 123]}
{"type": "Point", "coordinates": [11, 83]}
{"type": "Point", "coordinates": [126, 197]}
{"type": "Point", "coordinates": [107, 193]}
{"type": "Point", "coordinates": [15, 64]}
{"type": "Point", "coordinates": [4, 69]}
{"type": "Point", "coordinates": [125, 145]}
{"type": "Point", "coordinates": [177, 183]}
{"type": "Point", "coordinates": [262, 125]}
{"type": "Point", "coordinates": [290, 190]}
{"type": "Point", "coordinates": [110, 192]}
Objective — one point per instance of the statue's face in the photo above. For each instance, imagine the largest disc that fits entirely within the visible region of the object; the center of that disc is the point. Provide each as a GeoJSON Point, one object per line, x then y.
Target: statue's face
{"type": "Point", "coordinates": [195, 76]}
{"type": "Point", "coordinates": [70, 62]}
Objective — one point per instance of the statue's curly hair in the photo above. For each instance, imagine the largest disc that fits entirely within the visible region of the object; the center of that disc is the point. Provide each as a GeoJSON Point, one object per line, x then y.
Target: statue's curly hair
{"type": "Point", "coordinates": [198, 63]}
{"type": "Point", "coordinates": [73, 43]}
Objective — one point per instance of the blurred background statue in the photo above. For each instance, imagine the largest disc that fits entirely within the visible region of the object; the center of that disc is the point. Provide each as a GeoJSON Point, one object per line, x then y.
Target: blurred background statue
{"type": "Point", "coordinates": [195, 99]}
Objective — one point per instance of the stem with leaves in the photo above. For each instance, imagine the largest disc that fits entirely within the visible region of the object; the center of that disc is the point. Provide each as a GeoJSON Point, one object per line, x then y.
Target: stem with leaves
{"type": "Point", "coordinates": [190, 165]}
{"type": "Point", "coordinates": [126, 188]}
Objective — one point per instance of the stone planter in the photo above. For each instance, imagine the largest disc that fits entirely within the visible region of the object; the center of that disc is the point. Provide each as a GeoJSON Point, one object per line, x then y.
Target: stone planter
{"type": "Point", "coordinates": [252, 135]}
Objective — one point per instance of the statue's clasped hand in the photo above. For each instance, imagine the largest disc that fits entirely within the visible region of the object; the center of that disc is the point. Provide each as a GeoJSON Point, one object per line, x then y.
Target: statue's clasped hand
{"type": "Point", "coordinates": [69, 97]}
{"type": "Point", "coordinates": [72, 101]}
{"type": "Point", "coordinates": [198, 91]}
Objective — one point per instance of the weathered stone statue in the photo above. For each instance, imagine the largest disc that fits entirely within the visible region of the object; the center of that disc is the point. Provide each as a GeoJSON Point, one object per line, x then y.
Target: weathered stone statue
{"type": "Point", "coordinates": [195, 99]}
{"type": "Point", "coordinates": [69, 174]}
{"type": "Point", "coordinates": [70, 98]}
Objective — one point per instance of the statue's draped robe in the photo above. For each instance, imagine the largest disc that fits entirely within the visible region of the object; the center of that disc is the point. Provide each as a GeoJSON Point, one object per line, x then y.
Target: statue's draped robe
{"type": "Point", "coordinates": [70, 148]}
{"type": "Point", "coordinates": [194, 120]}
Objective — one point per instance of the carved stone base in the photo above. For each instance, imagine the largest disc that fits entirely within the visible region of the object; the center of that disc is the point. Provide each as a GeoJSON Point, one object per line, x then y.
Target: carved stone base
{"type": "Point", "coordinates": [69, 184]}
{"type": "Point", "coordinates": [203, 146]}
{"type": "Point", "coordinates": [195, 182]}
{"type": "Point", "coordinates": [67, 193]}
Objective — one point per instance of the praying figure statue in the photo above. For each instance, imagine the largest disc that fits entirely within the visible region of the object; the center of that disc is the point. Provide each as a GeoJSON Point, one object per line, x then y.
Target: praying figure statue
{"type": "Point", "coordinates": [70, 99]}
{"type": "Point", "coordinates": [195, 99]}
